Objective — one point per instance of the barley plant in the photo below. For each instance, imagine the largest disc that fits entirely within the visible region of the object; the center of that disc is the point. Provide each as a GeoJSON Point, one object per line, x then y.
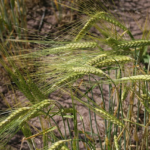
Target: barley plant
{"type": "Point", "coordinates": [98, 72]}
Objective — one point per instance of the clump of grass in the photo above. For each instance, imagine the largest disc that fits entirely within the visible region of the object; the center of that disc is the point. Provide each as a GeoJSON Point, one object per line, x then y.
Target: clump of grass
{"type": "Point", "coordinates": [13, 18]}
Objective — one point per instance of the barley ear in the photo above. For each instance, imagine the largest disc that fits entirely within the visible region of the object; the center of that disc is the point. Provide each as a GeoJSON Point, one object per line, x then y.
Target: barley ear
{"type": "Point", "coordinates": [97, 59]}
{"type": "Point", "coordinates": [57, 144]}
{"type": "Point", "coordinates": [88, 25]}
{"type": "Point", "coordinates": [137, 43]}
{"type": "Point", "coordinates": [136, 78]}
{"type": "Point", "coordinates": [121, 52]}
{"type": "Point", "coordinates": [81, 45]}
{"type": "Point", "coordinates": [143, 103]}
{"type": "Point", "coordinates": [108, 116]}
{"type": "Point", "coordinates": [89, 70]}
{"type": "Point", "coordinates": [16, 114]}
{"type": "Point", "coordinates": [114, 60]}
{"type": "Point", "coordinates": [100, 15]}
{"type": "Point", "coordinates": [64, 147]}
{"type": "Point", "coordinates": [35, 109]}
{"type": "Point", "coordinates": [68, 79]}
{"type": "Point", "coordinates": [125, 93]}
{"type": "Point", "coordinates": [116, 142]}
{"type": "Point", "coordinates": [67, 110]}
{"type": "Point", "coordinates": [117, 23]}
{"type": "Point", "coordinates": [48, 51]}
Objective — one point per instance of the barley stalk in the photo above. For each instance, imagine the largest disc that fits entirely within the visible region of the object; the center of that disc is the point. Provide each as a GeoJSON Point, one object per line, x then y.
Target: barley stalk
{"type": "Point", "coordinates": [116, 142]}
{"type": "Point", "coordinates": [67, 110]}
{"type": "Point", "coordinates": [121, 52]}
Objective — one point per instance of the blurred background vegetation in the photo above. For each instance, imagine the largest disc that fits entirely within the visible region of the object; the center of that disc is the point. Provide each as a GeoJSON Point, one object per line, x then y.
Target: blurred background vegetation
{"type": "Point", "coordinates": [45, 20]}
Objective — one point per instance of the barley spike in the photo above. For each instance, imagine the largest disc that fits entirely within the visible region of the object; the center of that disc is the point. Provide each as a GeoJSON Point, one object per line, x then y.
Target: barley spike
{"type": "Point", "coordinates": [135, 78]}
{"type": "Point", "coordinates": [58, 143]}
{"type": "Point", "coordinates": [67, 79]}
{"type": "Point", "coordinates": [14, 115]}
{"type": "Point", "coordinates": [67, 110]}
{"type": "Point", "coordinates": [97, 59]}
{"type": "Point", "coordinates": [71, 46]}
{"type": "Point", "coordinates": [35, 109]}
{"type": "Point", "coordinates": [94, 19]}
{"type": "Point", "coordinates": [81, 45]}
{"type": "Point", "coordinates": [115, 60]}
{"type": "Point", "coordinates": [136, 43]}
{"type": "Point", "coordinates": [125, 93]}
{"type": "Point", "coordinates": [116, 142]}
{"type": "Point", "coordinates": [64, 148]}
{"type": "Point", "coordinates": [143, 103]}
{"type": "Point", "coordinates": [87, 70]}
{"type": "Point", "coordinates": [88, 25]}
{"type": "Point", "coordinates": [110, 117]}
